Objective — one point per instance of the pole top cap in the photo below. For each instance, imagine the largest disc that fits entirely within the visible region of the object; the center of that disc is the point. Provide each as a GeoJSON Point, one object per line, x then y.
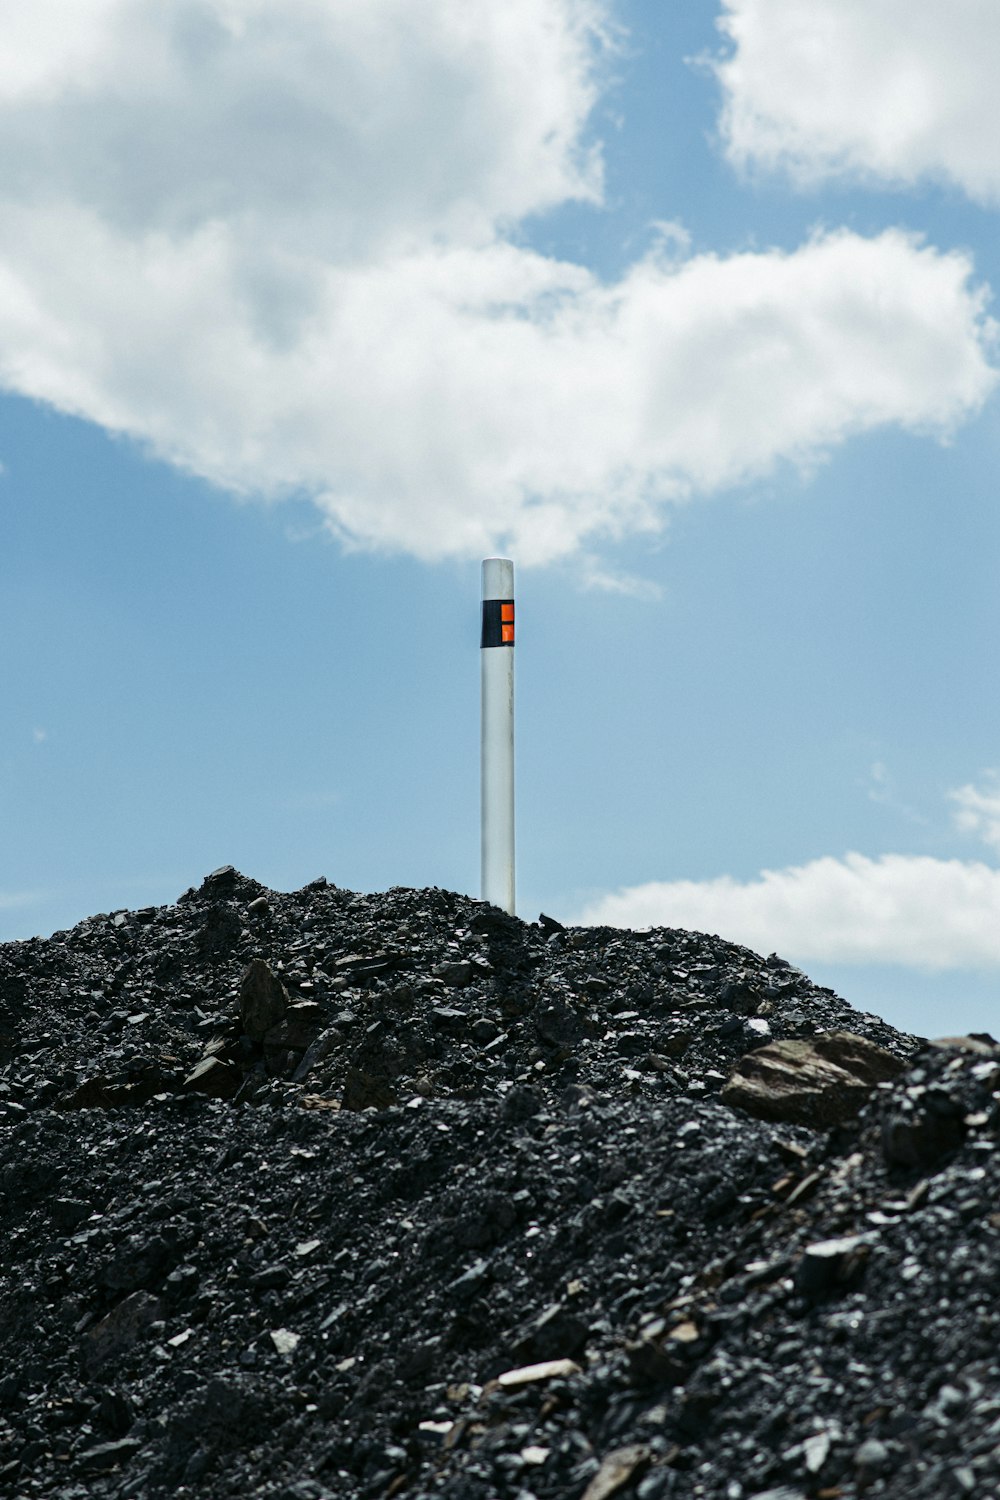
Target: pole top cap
{"type": "Point", "coordinates": [498, 578]}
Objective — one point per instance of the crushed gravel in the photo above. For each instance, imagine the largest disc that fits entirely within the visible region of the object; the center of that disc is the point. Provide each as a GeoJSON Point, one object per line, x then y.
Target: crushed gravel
{"type": "Point", "coordinates": [326, 1195]}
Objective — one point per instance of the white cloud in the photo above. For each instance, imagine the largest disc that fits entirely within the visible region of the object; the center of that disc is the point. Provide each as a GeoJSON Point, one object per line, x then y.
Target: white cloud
{"type": "Point", "coordinates": [978, 810]}
{"type": "Point", "coordinates": [593, 575]}
{"type": "Point", "coordinates": [898, 909]}
{"type": "Point", "coordinates": [341, 124]}
{"type": "Point", "coordinates": [882, 790]}
{"type": "Point", "coordinates": [899, 90]}
{"type": "Point", "coordinates": [267, 239]}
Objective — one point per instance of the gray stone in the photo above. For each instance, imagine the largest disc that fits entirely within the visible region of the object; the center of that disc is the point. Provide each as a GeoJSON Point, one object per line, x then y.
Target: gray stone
{"type": "Point", "coordinates": [68, 1213]}
{"type": "Point", "coordinates": [213, 1077]}
{"type": "Point", "coordinates": [873, 1457]}
{"type": "Point", "coordinates": [263, 999]}
{"type": "Point", "coordinates": [617, 1470]}
{"type": "Point", "coordinates": [284, 1340]}
{"type": "Point", "coordinates": [271, 1278]}
{"type": "Point", "coordinates": [123, 1327]}
{"type": "Point", "coordinates": [108, 1455]}
{"type": "Point", "coordinates": [558, 1025]}
{"type": "Point", "coordinates": [926, 1127]}
{"type": "Point", "coordinates": [554, 1334]}
{"type": "Point", "coordinates": [979, 1042]}
{"type": "Point", "coordinates": [457, 974]}
{"type": "Point", "coordinates": [315, 1053]}
{"type": "Point", "coordinates": [821, 1081]}
{"type": "Point", "coordinates": [297, 1027]}
{"type": "Point", "coordinates": [831, 1263]}
{"type": "Point", "coordinates": [115, 1412]}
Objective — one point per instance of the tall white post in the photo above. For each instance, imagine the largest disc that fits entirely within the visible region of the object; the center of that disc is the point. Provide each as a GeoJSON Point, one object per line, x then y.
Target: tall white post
{"type": "Point", "coordinates": [497, 743]}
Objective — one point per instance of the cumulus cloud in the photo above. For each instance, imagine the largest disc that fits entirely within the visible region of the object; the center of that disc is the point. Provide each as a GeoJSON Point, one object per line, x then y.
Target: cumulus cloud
{"type": "Point", "coordinates": [897, 90]}
{"type": "Point", "coordinates": [343, 124]}
{"type": "Point", "coordinates": [898, 909]}
{"type": "Point", "coordinates": [271, 240]}
{"type": "Point", "coordinates": [977, 810]}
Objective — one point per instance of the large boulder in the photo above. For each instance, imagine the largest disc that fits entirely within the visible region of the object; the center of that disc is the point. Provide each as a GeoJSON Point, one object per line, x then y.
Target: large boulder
{"type": "Point", "coordinates": [822, 1080]}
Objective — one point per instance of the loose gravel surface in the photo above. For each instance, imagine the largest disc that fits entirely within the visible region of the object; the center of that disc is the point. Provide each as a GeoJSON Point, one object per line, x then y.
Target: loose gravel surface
{"type": "Point", "coordinates": [327, 1195]}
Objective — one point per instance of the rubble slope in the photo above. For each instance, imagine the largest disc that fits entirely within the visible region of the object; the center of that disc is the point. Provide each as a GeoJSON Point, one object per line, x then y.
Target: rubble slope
{"type": "Point", "coordinates": [323, 1194]}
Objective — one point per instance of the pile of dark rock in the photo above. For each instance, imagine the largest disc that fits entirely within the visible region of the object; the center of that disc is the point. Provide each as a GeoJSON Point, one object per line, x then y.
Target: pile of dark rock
{"type": "Point", "coordinates": [327, 1195]}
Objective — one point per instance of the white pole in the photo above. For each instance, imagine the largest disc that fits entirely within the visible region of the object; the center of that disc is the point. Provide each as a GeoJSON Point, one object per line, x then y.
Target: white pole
{"type": "Point", "coordinates": [497, 743]}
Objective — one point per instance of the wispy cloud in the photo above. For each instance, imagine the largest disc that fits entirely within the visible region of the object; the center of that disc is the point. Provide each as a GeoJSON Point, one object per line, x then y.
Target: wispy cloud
{"type": "Point", "coordinates": [897, 909]}
{"type": "Point", "coordinates": [978, 809]}
{"type": "Point", "coordinates": [39, 735]}
{"type": "Point", "coordinates": [882, 790]}
{"type": "Point", "coordinates": [594, 575]}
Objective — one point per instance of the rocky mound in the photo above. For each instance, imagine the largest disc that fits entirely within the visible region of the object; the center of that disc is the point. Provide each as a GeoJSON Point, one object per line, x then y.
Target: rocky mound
{"type": "Point", "coordinates": [333, 1195]}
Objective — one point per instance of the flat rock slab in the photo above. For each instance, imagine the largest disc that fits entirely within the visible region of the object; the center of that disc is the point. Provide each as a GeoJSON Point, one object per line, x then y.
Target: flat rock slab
{"type": "Point", "coordinates": [820, 1081]}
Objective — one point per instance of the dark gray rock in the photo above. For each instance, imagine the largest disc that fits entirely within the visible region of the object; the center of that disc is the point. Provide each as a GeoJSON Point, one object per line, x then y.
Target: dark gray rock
{"type": "Point", "coordinates": [215, 1078]}
{"type": "Point", "coordinates": [106, 1456]}
{"type": "Point", "coordinates": [922, 1128]}
{"type": "Point", "coordinates": [116, 1333]}
{"type": "Point", "coordinates": [831, 1264]}
{"type": "Point", "coordinates": [263, 999]}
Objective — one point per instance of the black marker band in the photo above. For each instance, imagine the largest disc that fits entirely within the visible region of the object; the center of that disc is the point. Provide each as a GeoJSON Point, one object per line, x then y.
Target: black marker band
{"type": "Point", "coordinates": [498, 622]}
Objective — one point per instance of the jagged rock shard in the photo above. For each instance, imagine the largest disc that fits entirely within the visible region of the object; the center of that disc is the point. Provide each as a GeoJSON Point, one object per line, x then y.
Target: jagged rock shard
{"type": "Point", "coordinates": [263, 999]}
{"type": "Point", "coordinates": [122, 1327]}
{"type": "Point", "coordinates": [820, 1081]}
{"type": "Point", "coordinates": [107, 1456]}
{"type": "Point", "coordinates": [215, 1078]}
{"type": "Point", "coordinates": [284, 1341]}
{"type": "Point", "coordinates": [618, 1469]}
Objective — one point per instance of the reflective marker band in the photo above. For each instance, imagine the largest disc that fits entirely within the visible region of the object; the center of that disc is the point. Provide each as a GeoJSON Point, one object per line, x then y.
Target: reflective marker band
{"type": "Point", "coordinates": [498, 622]}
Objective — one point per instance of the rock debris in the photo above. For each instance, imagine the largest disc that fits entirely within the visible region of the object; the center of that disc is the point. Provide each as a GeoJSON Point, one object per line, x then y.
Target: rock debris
{"type": "Point", "coordinates": [321, 1196]}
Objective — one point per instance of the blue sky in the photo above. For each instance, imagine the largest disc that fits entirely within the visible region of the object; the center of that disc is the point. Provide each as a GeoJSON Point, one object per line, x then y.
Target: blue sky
{"type": "Point", "coordinates": [305, 307]}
